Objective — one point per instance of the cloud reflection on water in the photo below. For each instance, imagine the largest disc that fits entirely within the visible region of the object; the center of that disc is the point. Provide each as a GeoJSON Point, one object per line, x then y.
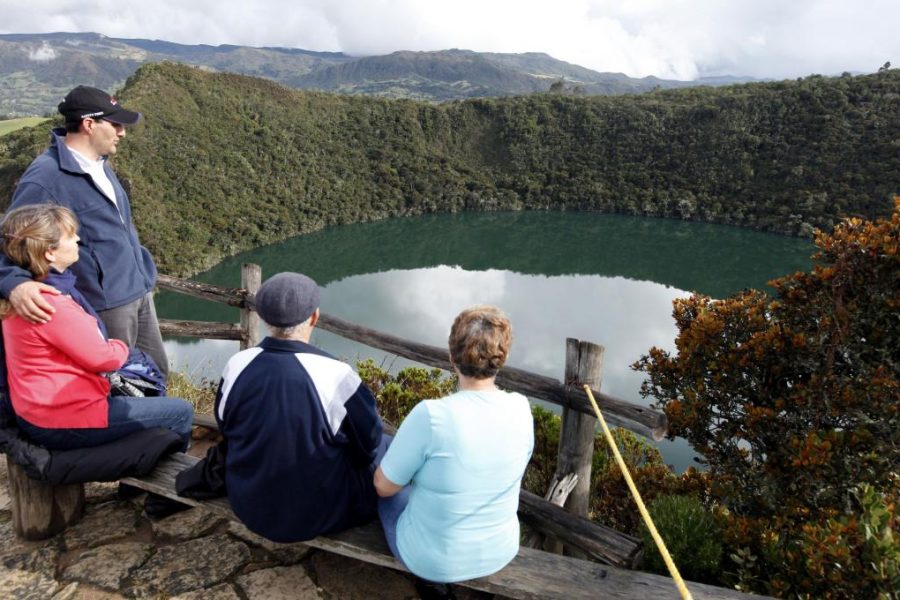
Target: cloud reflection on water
{"type": "Point", "coordinates": [626, 316]}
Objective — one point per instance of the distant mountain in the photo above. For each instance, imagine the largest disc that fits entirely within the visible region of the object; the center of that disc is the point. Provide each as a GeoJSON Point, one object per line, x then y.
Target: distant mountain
{"type": "Point", "coordinates": [36, 70]}
{"type": "Point", "coordinates": [454, 74]}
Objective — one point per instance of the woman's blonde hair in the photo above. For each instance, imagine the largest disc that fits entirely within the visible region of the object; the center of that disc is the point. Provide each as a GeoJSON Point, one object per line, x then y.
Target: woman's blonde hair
{"type": "Point", "coordinates": [479, 341]}
{"type": "Point", "coordinates": [28, 232]}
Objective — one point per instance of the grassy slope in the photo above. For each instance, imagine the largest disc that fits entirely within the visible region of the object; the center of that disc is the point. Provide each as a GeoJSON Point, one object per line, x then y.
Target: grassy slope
{"type": "Point", "coordinates": [11, 125]}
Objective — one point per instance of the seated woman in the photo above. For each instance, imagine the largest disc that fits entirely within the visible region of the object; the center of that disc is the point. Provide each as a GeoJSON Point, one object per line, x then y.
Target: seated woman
{"type": "Point", "coordinates": [449, 482]}
{"type": "Point", "coordinates": [55, 369]}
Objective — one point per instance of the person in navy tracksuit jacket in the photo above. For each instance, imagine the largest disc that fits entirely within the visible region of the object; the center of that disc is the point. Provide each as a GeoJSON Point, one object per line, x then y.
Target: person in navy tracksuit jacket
{"type": "Point", "coordinates": [301, 430]}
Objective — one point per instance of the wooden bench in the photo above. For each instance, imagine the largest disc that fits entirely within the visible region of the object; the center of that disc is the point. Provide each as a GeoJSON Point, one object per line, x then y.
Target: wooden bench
{"type": "Point", "coordinates": [40, 510]}
{"type": "Point", "coordinates": [532, 575]}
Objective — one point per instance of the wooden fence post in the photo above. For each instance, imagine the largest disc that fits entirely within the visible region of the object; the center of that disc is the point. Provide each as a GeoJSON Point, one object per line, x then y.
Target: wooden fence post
{"type": "Point", "coordinates": [251, 279]}
{"type": "Point", "coordinates": [41, 510]}
{"type": "Point", "coordinates": [584, 364]}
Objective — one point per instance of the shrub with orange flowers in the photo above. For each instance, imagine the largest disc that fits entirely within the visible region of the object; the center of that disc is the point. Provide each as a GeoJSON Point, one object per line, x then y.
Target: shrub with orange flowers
{"type": "Point", "coordinates": [793, 401]}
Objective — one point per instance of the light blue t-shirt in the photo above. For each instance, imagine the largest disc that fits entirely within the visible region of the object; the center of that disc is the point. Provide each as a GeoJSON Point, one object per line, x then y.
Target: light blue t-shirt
{"type": "Point", "coordinates": [464, 456]}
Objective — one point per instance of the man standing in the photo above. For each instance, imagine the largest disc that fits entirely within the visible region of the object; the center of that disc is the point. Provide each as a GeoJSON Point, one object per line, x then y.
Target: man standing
{"type": "Point", "coordinates": [114, 272]}
{"type": "Point", "coordinates": [301, 430]}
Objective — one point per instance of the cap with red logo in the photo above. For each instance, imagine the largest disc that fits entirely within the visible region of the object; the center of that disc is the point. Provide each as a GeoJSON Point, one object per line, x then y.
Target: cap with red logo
{"type": "Point", "coordinates": [90, 103]}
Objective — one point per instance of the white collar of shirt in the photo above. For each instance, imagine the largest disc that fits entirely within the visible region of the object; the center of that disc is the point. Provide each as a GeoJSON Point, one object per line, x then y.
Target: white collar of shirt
{"type": "Point", "coordinates": [95, 169]}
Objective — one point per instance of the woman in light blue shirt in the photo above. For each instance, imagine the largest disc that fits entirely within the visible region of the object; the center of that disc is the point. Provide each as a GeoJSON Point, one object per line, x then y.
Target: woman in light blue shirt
{"type": "Point", "coordinates": [449, 483]}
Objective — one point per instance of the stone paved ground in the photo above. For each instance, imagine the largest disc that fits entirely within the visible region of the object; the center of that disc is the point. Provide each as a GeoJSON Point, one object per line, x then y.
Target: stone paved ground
{"type": "Point", "coordinates": [115, 552]}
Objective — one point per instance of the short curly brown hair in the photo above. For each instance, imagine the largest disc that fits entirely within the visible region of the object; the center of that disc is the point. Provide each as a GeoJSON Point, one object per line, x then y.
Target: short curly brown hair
{"type": "Point", "coordinates": [479, 341]}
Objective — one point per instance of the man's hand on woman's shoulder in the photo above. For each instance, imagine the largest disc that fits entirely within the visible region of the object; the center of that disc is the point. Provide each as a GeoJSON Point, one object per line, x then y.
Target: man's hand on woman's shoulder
{"type": "Point", "coordinates": [27, 299]}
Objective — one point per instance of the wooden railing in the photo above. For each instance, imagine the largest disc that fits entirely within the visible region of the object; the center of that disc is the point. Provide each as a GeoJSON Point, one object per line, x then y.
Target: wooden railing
{"type": "Point", "coordinates": [634, 417]}
{"type": "Point", "coordinates": [583, 366]}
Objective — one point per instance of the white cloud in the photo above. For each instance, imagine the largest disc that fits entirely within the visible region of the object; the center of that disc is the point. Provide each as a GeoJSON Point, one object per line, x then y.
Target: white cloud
{"type": "Point", "coordinates": [43, 54]}
{"type": "Point", "coordinates": [667, 38]}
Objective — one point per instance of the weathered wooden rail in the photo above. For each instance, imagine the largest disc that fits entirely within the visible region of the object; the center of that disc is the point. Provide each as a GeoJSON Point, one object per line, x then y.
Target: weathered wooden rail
{"type": "Point", "coordinates": [583, 366]}
{"type": "Point", "coordinates": [637, 418]}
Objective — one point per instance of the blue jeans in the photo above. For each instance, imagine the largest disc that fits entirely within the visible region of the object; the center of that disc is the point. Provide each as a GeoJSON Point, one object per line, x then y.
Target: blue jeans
{"type": "Point", "coordinates": [127, 415]}
{"type": "Point", "coordinates": [390, 509]}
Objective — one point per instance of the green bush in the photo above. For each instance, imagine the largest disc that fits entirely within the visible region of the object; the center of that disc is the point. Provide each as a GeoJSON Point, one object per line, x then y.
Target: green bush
{"type": "Point", "coordinates": [201, 395]}
{"type": "Point", "coordinates": [396, 395]}
{"type": "Point", "coordinates": [848, 553]}
{"type": "Point", "coordinates": [611, 502]}
{"type": "Point", "coordinates": [691, 535]}
{"type": "Point", "coordinates": [794, 404]}
{"type": "Point", "coordinates": [540, 470]}
{"type": "Point", "coordinates": [793, 401]}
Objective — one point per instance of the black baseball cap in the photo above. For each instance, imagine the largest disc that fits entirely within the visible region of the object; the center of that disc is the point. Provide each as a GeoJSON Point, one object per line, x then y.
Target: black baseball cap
{"type": "Point", "coordinates": [86, 102]}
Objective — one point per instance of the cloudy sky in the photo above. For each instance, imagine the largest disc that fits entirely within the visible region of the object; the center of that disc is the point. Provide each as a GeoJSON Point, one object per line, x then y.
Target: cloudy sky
{"type": "Point", "coordinates": [678, 39]}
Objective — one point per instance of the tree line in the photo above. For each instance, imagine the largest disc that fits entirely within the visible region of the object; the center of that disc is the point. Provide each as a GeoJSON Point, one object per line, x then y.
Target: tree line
{"type": "Point", "coordinates": [223, 163]}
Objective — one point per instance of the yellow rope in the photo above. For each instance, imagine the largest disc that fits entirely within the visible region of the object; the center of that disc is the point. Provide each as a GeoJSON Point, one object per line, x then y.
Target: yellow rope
{"type": "Point", "coordinates": [673, 570]}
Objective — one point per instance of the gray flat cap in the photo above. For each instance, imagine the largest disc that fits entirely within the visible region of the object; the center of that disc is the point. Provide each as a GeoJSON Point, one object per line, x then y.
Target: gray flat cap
{"type": "Point", "coordinates": [287, 299]}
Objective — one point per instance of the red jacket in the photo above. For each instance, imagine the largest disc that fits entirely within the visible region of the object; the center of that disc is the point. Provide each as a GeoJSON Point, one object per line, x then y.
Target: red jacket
{"type": "Point", "coordinates": [54, 368]}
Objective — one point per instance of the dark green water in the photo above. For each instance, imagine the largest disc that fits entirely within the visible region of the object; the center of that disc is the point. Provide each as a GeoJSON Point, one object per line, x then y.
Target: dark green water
{"type": "Point", "coordinates": [602, 278]}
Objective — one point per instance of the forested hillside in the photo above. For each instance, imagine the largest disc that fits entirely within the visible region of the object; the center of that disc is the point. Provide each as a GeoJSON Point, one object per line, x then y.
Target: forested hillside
{"type": "Point", "coordinates": [223, 163]}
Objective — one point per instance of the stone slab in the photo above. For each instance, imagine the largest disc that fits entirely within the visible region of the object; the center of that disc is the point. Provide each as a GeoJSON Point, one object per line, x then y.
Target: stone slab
{"type": "Point", "coordinates": [69, 592]}
{"type": "Point", "coordinates": [108, 566]}
{"type": "Point", "coordinates": [30, 556]}
{"type": "Point", "coordinates": [81, 591]}
{"type": "Point", "coordinates": [285, 554]}
{"type": "Point", "coordinates": [224, 591]}
{"type": "Point", "coordinates": [10, 544]}
{"type": "Point", "coordinates": [102, 523]}
{"type": "Point", "coordinates": [189, 566]}
{"type": "Point", "coordinates": [20, 584]}
{"type": "Point", "coordinates": [188, 524]}
{"type": "Point", "coordinates": [280, 583]}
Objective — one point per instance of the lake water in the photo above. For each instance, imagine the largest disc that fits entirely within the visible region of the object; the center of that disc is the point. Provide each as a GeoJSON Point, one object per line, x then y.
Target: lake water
{"type": "Point", "coordinates": [606, 279]}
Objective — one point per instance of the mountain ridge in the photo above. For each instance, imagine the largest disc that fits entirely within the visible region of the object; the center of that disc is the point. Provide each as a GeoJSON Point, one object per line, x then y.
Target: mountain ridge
{"type": "Point", "coordinates": [36, 70]}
